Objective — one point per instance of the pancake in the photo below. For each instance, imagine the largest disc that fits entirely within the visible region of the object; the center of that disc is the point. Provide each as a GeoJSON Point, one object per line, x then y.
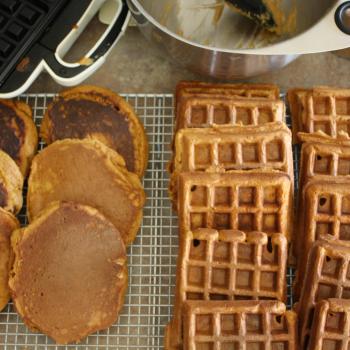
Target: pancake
{"type": "Point", "coordinates": [98, 113]}
{"type": "Point", "coordinates": [11, 184]}
{"type": "Point", "coordinates": [70, 272]}
{"type": "Point", "coordinates": [8, 223]}
{"type": "Point", "coordinates": [18, 135]}
{"type": "Point", "coordinates": [87, 172]}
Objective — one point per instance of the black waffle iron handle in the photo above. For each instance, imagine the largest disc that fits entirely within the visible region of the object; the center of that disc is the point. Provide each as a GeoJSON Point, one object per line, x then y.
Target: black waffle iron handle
{"type": "Point", "coordinates": [46, 53]}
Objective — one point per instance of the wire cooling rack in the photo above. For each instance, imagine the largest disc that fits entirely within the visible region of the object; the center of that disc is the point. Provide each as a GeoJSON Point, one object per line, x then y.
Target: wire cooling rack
{"type": "Point", "coordinates": [151, 259]}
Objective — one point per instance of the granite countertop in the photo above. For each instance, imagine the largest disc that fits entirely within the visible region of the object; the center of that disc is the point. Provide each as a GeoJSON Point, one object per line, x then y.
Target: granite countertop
{"type": "Point", "coordinates": [136, 66]}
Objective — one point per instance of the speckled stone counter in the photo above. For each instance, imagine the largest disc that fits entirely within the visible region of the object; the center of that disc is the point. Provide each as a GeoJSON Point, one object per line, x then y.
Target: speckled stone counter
{"type": "Point", "coordinates": [136, 66]}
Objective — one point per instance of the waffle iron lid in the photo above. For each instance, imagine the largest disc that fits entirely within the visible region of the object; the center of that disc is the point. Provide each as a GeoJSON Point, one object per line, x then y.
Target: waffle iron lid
{"type": "Point", "coordinates": [31, 32]}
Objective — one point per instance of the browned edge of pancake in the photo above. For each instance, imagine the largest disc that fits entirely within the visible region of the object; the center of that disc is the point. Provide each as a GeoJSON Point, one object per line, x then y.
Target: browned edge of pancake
{"type": "Point", "coordinates": [11, 184]}
{"type": "Point", "coordinates": [8, 223]}
{"type": "Point", "coordinates": [95, 93]}
{"type": "Point", "coordinates": [29, 142]}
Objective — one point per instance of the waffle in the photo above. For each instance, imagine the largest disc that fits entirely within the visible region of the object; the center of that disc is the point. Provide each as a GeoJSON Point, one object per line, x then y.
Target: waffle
{"type": "Point", "coordinates": [246, 201]}
{"type": "Point", "coordinates": [228, 265]}
{"type": "Point", "coordinates": [320, 109]}
{"type": "Point", "coordinates": [206, 111]}
{"type": "Point", "coordinates": [232, 148]}
{"type": "Point", "coordinates": [327, 276]}
{"type": "Point", "coordinates": [330, 328]}
{"type": "Point", "coordinates": [239, 325]}
{"type": "Point", "coordinates": [325, 210]}
{"type": "Point", "coordinates": [194, 88]}
{"type": "Point", "coordinates": [324, 157]}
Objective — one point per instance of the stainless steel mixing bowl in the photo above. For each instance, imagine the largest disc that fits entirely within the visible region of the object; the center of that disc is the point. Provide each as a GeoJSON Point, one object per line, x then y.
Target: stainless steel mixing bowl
{"type": "Point", "coordinates": [210, 39]}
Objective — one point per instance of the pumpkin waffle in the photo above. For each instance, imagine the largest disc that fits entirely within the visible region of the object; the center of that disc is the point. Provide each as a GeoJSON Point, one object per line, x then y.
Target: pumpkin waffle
{"type": "Point", "coordinates": [232, 148]}
{"type": "Point", "coordinates": [206, 111]}
{"type": "Point", "coordinates": [246, 201]}
{"type": "Point", "coordinates": [331, 329]}
{"type": "Point", "coordinates": [227, 265]}
{"type": "Point", "coordinates": [195, 88]}
{"type": "Point", "coordinates": [324, 157]}
{"type": "Point", "coordinates": [320, 109]}
{"type": "Point", "coordinates": [325, 211]}
{"type": "Point", "coordinates": [327, 276]}
{"type": "Point", "coordinates": [239, 325]}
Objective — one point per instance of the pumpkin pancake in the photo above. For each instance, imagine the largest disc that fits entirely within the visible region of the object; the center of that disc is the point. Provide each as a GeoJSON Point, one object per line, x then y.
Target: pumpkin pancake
{"type": "Point", "coordinates": [87, 172]}
{"type": "Point", "coordinates": [70, 272]}
{"type": "Point", "coordinates": [18, 135]}
{"type": "Point", "coordinates": [11, 184]}
{"type": "Point", "coordinates": [8, 223]}
{"type": "Point", "coordinates": [98, 113]}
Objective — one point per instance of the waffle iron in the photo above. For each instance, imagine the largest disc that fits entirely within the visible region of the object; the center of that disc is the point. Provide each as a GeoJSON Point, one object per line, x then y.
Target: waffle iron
{"type": "Point", "coordinates": [36, 34]}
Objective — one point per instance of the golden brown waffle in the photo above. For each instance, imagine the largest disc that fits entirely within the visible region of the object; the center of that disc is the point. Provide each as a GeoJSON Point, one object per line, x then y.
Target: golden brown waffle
{"type": "Point", "coordinates": [195, 88]}
{"type": "Point", "coordinates": [246, 201]}
{"type": "Point", "coordinates": [228, 265]}
{"type": "Point", "coordinates": [232, 148]}
{"type": "Point", "coordinates": [206, 111]}
{"type": "Point", "coordinates": [331, 328]}
{"type": "Point", "coordinates": [320, 109]}
{"type": "Point", "coordinates": [325, 158]}
{"type": "Point", "coordinates": [327, 276]}
{"type": "Point", "coordinates": [239, 325]}
{"type": "Point", "coordinates": [325, 211]}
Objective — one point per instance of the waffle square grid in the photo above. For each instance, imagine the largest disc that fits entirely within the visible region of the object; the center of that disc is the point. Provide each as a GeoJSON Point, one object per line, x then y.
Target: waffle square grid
{"type": "Point", "coordinates": [257, 202]}
{"type": "Point", "coordinates": [239, 325]}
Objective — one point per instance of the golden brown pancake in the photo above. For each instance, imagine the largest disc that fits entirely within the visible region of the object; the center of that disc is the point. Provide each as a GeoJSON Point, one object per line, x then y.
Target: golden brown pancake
{"type": "Point", "coordinates": [70, 272]}
{"type": "Point", "coordinates": [8, 223]}
{"type": "Point", "coordinates": [11, 184]}
{"type": "Point", "coordinates": [18, 135]}
{"type": "Point", "coordinates": [87, 172]}
{"type": "Point", "coordinates": [98, 113]}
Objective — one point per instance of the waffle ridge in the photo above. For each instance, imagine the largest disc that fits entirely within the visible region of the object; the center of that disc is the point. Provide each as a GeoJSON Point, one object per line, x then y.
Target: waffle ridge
{"type": "Point", "coordinates": [239, 324]}
{"type": "Point", "coordinates": [247, 201]}
{"type": "Point", "coordinates": [228, 265]}
{"type": "Point", "coordinates": [327, 276]}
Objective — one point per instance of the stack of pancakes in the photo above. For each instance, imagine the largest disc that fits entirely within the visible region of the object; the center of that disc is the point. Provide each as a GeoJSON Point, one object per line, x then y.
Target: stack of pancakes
{"type": "Point", "coordinates": [84, 205]}
{"type": "Point", "coordinates": [321, 122]}
{"type": "Point", "coordinates": [232, 186]}
{"type": "Point", "coordinates": [18, 144]}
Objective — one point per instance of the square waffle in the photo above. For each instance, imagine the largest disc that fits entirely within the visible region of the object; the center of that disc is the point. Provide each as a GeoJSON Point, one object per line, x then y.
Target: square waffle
{"type": "Point", "coordinates": [327, 276]}
{"type": "Point", "coordinates": [325, 158]}
{"type": "Point", "coordinates": [247, 201]}
{"type": "Point", "coordinates": [206, 111]}
{"type": "Point", "coordinates": [234, 148]}
{"type": "Point", "coordinates": [320, 109]}
{"type": "Point", "coordinates": [331, 326]}
{"type": "Point", "coordinates": [325, 211]}
{"type": "Point", "coordinates": [228, 265]}
{"type": "Point", "coordinates": [239, 325]}
{"type": "Point", "coordinates": [194, 88]}
{"type": "Point", "coordinates": [221, 149]}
